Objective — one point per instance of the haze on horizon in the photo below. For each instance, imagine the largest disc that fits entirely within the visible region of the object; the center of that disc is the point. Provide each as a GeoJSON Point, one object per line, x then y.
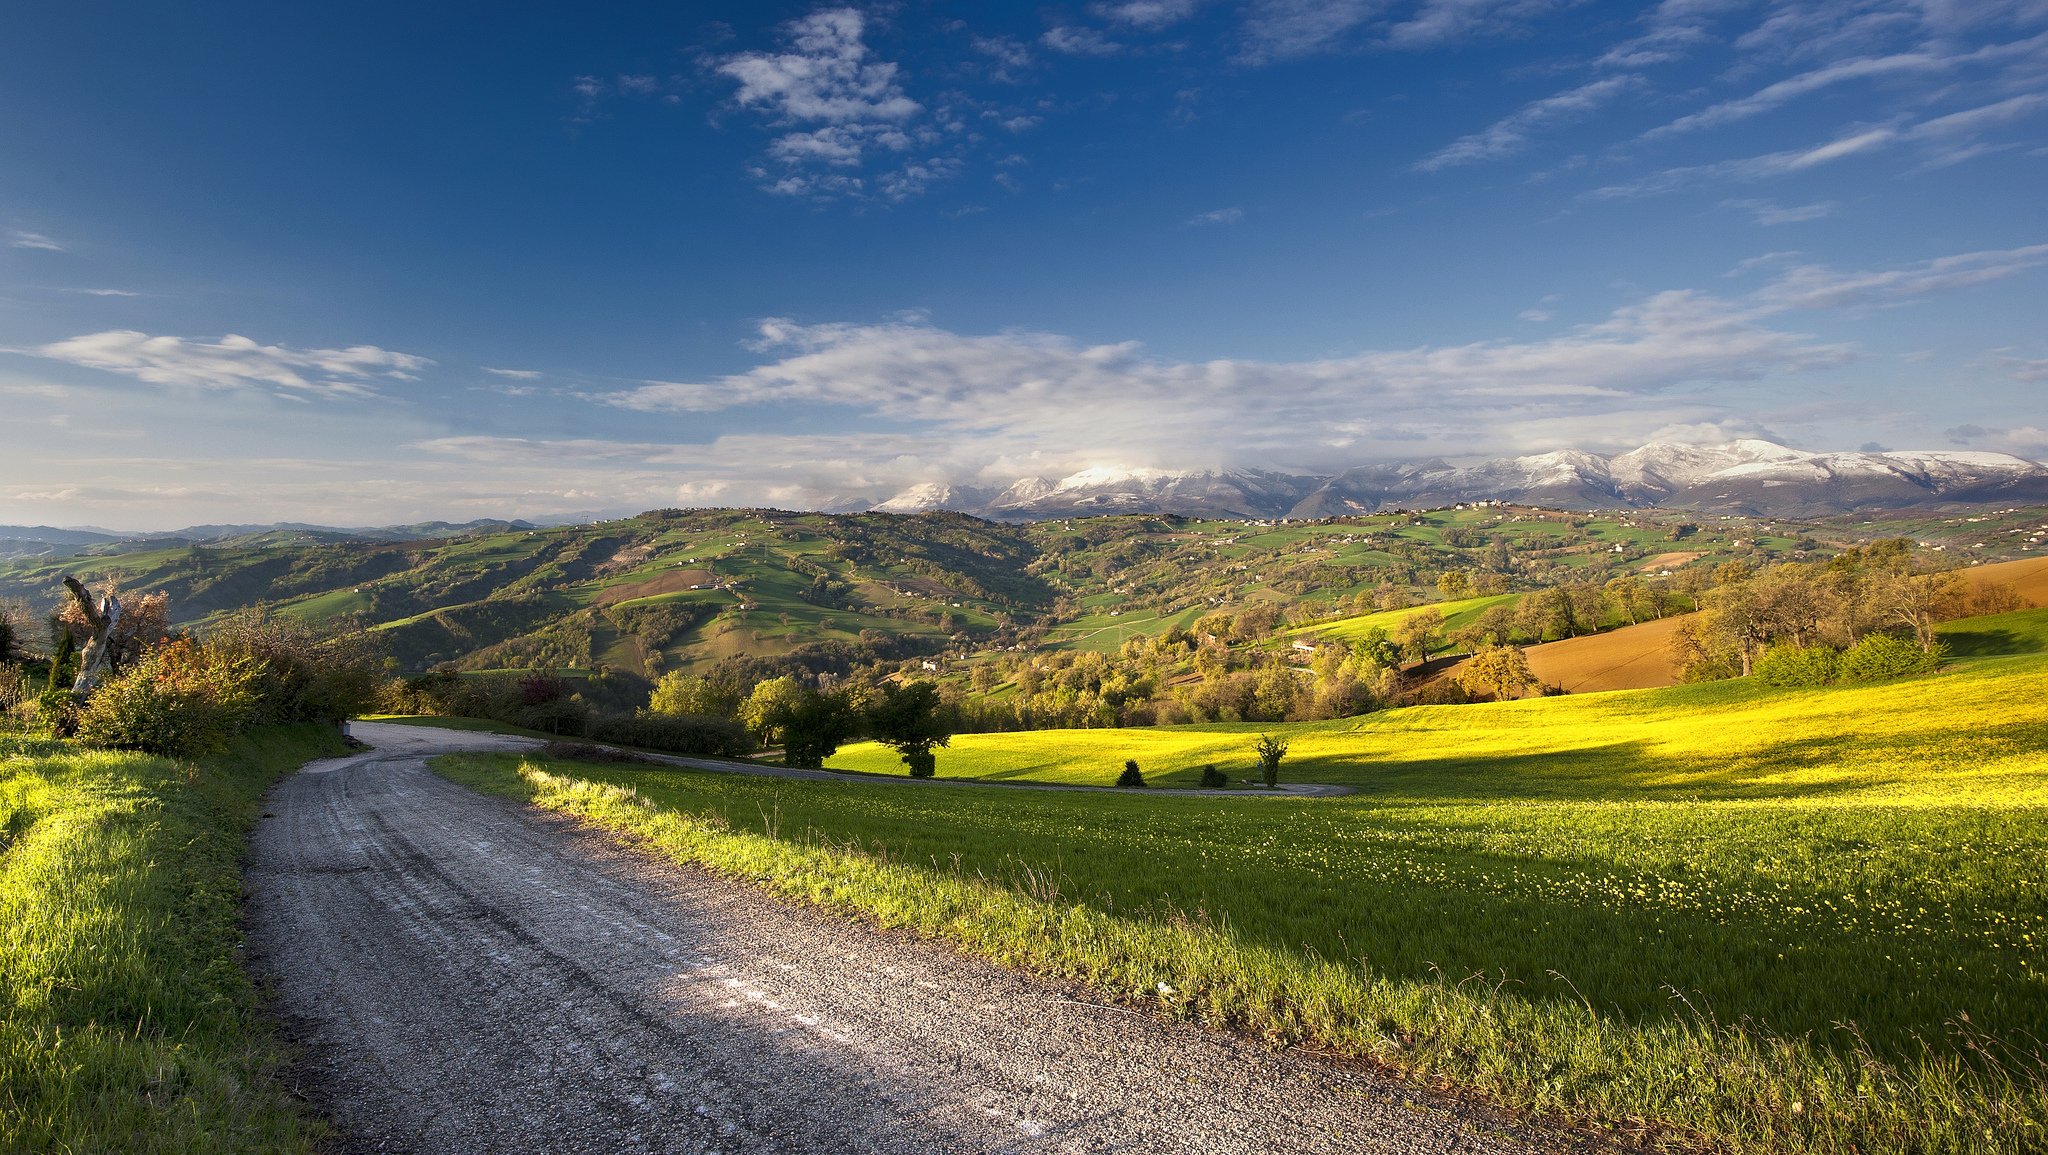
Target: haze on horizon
{"type": "Point", "coordinates": [375, 266]}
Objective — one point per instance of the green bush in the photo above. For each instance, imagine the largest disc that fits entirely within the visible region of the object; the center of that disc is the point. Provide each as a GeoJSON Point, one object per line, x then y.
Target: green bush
{"type": "Point", "coordinates": [1213, 779]}
{"type": "Point", "coordinates": [1791, 666]}
{"type": "Point", "coordinates": [1882, 656]}
{"type": "Point", "coordinates": [181, 699]}
{"type": "Point", "coordinates": [675, 733]}
{"type": "Point", "coordinates": [1131, 776]}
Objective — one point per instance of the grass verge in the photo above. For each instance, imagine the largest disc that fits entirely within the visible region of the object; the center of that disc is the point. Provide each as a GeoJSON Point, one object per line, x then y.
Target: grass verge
{"type": "Point", "coordinates": [1546, 967]}
{"type": "Point", "coordinates": [126, 1021]}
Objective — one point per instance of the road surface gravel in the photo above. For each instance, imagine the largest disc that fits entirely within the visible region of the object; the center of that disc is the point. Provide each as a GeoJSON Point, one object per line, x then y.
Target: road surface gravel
{"type": "Point", "coordinates": [463, 974]}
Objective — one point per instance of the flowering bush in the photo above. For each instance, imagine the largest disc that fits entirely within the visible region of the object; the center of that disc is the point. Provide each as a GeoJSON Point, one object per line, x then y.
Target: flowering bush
{"type": "Point", "coordinates": [182, 698]}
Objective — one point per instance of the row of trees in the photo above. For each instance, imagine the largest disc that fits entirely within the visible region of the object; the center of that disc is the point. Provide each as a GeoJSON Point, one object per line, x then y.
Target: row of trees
{"type": "Point", "coordinates": [1834, 606]}
{"type": "Point", "coordinates": [810, 718]}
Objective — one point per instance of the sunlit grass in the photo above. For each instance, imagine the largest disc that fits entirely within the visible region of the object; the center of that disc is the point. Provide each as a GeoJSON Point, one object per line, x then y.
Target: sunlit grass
{"type": "Point", "coordinates": [126, 1023]}
{"type": "Point", "coordinates": [1783, 920]}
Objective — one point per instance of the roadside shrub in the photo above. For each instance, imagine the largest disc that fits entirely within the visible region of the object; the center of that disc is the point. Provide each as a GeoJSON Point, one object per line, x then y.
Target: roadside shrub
{"type": "Point", "coordinates": [306, 677]}
{"type": "Point", "coordinates": [1213, 779]}
{"type": "Point", "coordinates": [52, 712]}
{"type": "Point", "coordinates": [566, 715]}
{"type": "Point", "coordinates": [1790, 666]}
{"type": "Point", "coordinates": [585, 752]}
{"type": "Point", "coordinates": [181, 699]}
{"type": "Point", "coordinates": [675, 733]}
{"type": "Point", "coordinates": [1131, 775]}
{"type": "Point", "coordinates": [1881, 656]}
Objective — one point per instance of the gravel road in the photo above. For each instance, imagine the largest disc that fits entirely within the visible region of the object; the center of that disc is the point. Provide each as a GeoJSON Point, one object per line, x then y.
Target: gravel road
{"type": "Point", "coordinates": [463, 974]}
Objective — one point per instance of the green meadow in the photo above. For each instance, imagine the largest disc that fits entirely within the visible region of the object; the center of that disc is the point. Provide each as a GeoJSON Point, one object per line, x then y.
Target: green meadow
{"type": "Point", "coordinates": [126, 1022]}
{"type": "Point", "coordinates": [1726, 914]}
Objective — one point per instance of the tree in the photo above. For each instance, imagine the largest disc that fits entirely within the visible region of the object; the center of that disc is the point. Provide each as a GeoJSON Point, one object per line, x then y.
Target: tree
{"type": "Point", "coordinates": [813, 724]}
{"type": "Point", "coordinates": [16, 622]}
{"type": "Point", "coordinates": [1502, 671]}
{"type": "Point", "coordinates": [1736, 615]}
{"type": "Point", "coordinates": [1270, 751]}
{"type": "Point", "coordinates": [1419, 633]}
{"type": "Point", "coordinates": [1635, 598]}
{"type": "Point", "coordinates": [768, 706]}
{"type": "Point", "coordinates": [908, 719]}
{"type": "Point", "coordinates": [1895, 598]}
{"type": "Point", "coordinates": [1453, 584]}
{"type": "Point", "coordinates": [1545, 613]}
{"type": "Point", "coordinates": [1131, 776]}
{"type": "Point", "coordinates": [680, 695]}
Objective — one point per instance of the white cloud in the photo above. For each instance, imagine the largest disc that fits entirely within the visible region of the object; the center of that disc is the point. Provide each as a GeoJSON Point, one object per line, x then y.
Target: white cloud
{"type": "Point", "coordinates": [19, 239]}
{"type": "Point", "coordinates": [1077, 41]}
{"type": "Point", "coordinates": [1784, 91]}
{"type": "Point", "coordinates": [106, 292]}
{"type": "Point", "coordinates": [1771, 213]}
{"type": "Point", "coordinates": [1817, 286]}
{"type": "Point", "coordinates": [1150, 15]}
{"type": "Point", "coordinates": [1225, 216]}
{"type": "Point", "coordinates": [1511, 133]}
{"type": "Point", "coordinates": [827, 77]}
{"type": "Point", "coordinates": [2024, 369]}
{"type": "Point", "coordinates": [518, 374]}
{"type": "Point", "coordinates": [1278, 29]}
{"type": "Point", "coordinates": [1007, 52]}
{"type": "Point", "coordinates": [1754, 167]}
{"type": "Point", "coordinates": [235, 362]}
{"type": "Point", "coordinates": [1014, 393]}
{"type": "Point", "coordinates": [1441, 22]}
{"type": "Point", "coordinates": [833, 101]}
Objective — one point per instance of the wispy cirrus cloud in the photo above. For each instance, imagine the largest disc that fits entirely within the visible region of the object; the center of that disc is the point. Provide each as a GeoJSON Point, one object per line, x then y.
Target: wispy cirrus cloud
{"type": "Point", "coordinates": [235, 362]}
{"type": "Point", "coordinates": [1511, 133]}
{"type": "Point", "coordinates": [22, 239]}
{"type": "Point", "coordinates": [1223, 216]}
{"type": "Point", "coordinates": [1815, 286]}
{"type": "Point", "coordinates": [1771, 213]}
{"type": "Point", "coordinates": [1943, 139]}
{"type": "Point", "coordinates": [1282, 29]}
{"type": "Point", "coordinates": [1443, 22]}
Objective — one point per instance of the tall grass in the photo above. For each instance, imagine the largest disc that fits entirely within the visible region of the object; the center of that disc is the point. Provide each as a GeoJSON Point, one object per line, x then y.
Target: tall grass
{"type": "Point", "coordinates": [1764, 920]}
{"type": "Point", "coordinates": [126, 1022]}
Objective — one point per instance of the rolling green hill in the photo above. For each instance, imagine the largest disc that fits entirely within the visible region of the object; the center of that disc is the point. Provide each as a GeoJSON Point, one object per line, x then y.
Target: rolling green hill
{"type": "Point", "coordinates": [673, 589]}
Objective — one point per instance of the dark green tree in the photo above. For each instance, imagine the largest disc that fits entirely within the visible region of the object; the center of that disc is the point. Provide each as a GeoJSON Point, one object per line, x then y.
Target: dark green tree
{"type": "Point", "coordinates": [813, 725]}
{"type": "Point", "coordinates": [1271, 750]}
{"type": "Point", "coordinates": [909, 719]}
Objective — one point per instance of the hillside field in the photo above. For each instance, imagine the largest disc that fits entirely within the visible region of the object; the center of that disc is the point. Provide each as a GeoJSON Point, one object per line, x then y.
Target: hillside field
{"type": "Point", "coordinates": [1617, 892]}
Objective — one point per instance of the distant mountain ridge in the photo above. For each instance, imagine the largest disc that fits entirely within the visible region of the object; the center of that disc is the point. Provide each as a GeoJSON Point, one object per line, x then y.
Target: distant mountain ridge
{"type": "Point", "coordinates": [30, 540]}
{"type": "Point", "coordinates": [1748, 476]}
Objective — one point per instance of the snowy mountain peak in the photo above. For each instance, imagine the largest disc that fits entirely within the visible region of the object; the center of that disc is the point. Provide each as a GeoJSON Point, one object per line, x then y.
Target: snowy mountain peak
{"type": "Point", "coordinates": [1746, 475]}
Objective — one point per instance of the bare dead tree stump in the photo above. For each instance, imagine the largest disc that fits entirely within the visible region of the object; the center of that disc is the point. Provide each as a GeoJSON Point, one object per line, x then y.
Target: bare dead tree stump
{"type": "Point", "coordinates": [98, 658]}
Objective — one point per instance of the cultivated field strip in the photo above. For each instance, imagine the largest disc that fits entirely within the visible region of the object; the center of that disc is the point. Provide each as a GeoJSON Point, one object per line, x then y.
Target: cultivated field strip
{"type": "Point", "coordinates": [467, 975]}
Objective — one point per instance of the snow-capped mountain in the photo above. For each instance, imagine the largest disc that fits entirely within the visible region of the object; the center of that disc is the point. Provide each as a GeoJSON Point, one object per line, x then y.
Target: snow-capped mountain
{"type": "Point", "coordinates": [1745, 476]}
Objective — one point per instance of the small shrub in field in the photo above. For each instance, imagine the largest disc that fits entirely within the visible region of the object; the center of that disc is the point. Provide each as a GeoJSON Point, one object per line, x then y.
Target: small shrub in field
{"type": "Point", "coordinates": [1131, 776]}
{"type": "Point", "coordinates": [180, 699]}
{"type": "Point", "coordinates": [585, 752]}
{"type": "Point", "coordinates": [1271, 750]}
{"type": "Point", "coordinates": [675, 733]}
{"type": "Point", "coordinates": [1212, 778]}
{"type": "Point", "coordinates": [1881, 656]}
{"type": "Point", "coordinates": [1791, 666]}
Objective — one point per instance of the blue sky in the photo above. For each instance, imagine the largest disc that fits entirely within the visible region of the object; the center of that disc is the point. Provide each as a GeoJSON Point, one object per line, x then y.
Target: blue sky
{"type": "Point", "coordinates": [363, 265]}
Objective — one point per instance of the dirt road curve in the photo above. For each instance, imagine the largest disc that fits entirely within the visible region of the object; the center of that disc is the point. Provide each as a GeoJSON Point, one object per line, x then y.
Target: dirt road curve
{"type": "Point", "coordinates": [467, 976]}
